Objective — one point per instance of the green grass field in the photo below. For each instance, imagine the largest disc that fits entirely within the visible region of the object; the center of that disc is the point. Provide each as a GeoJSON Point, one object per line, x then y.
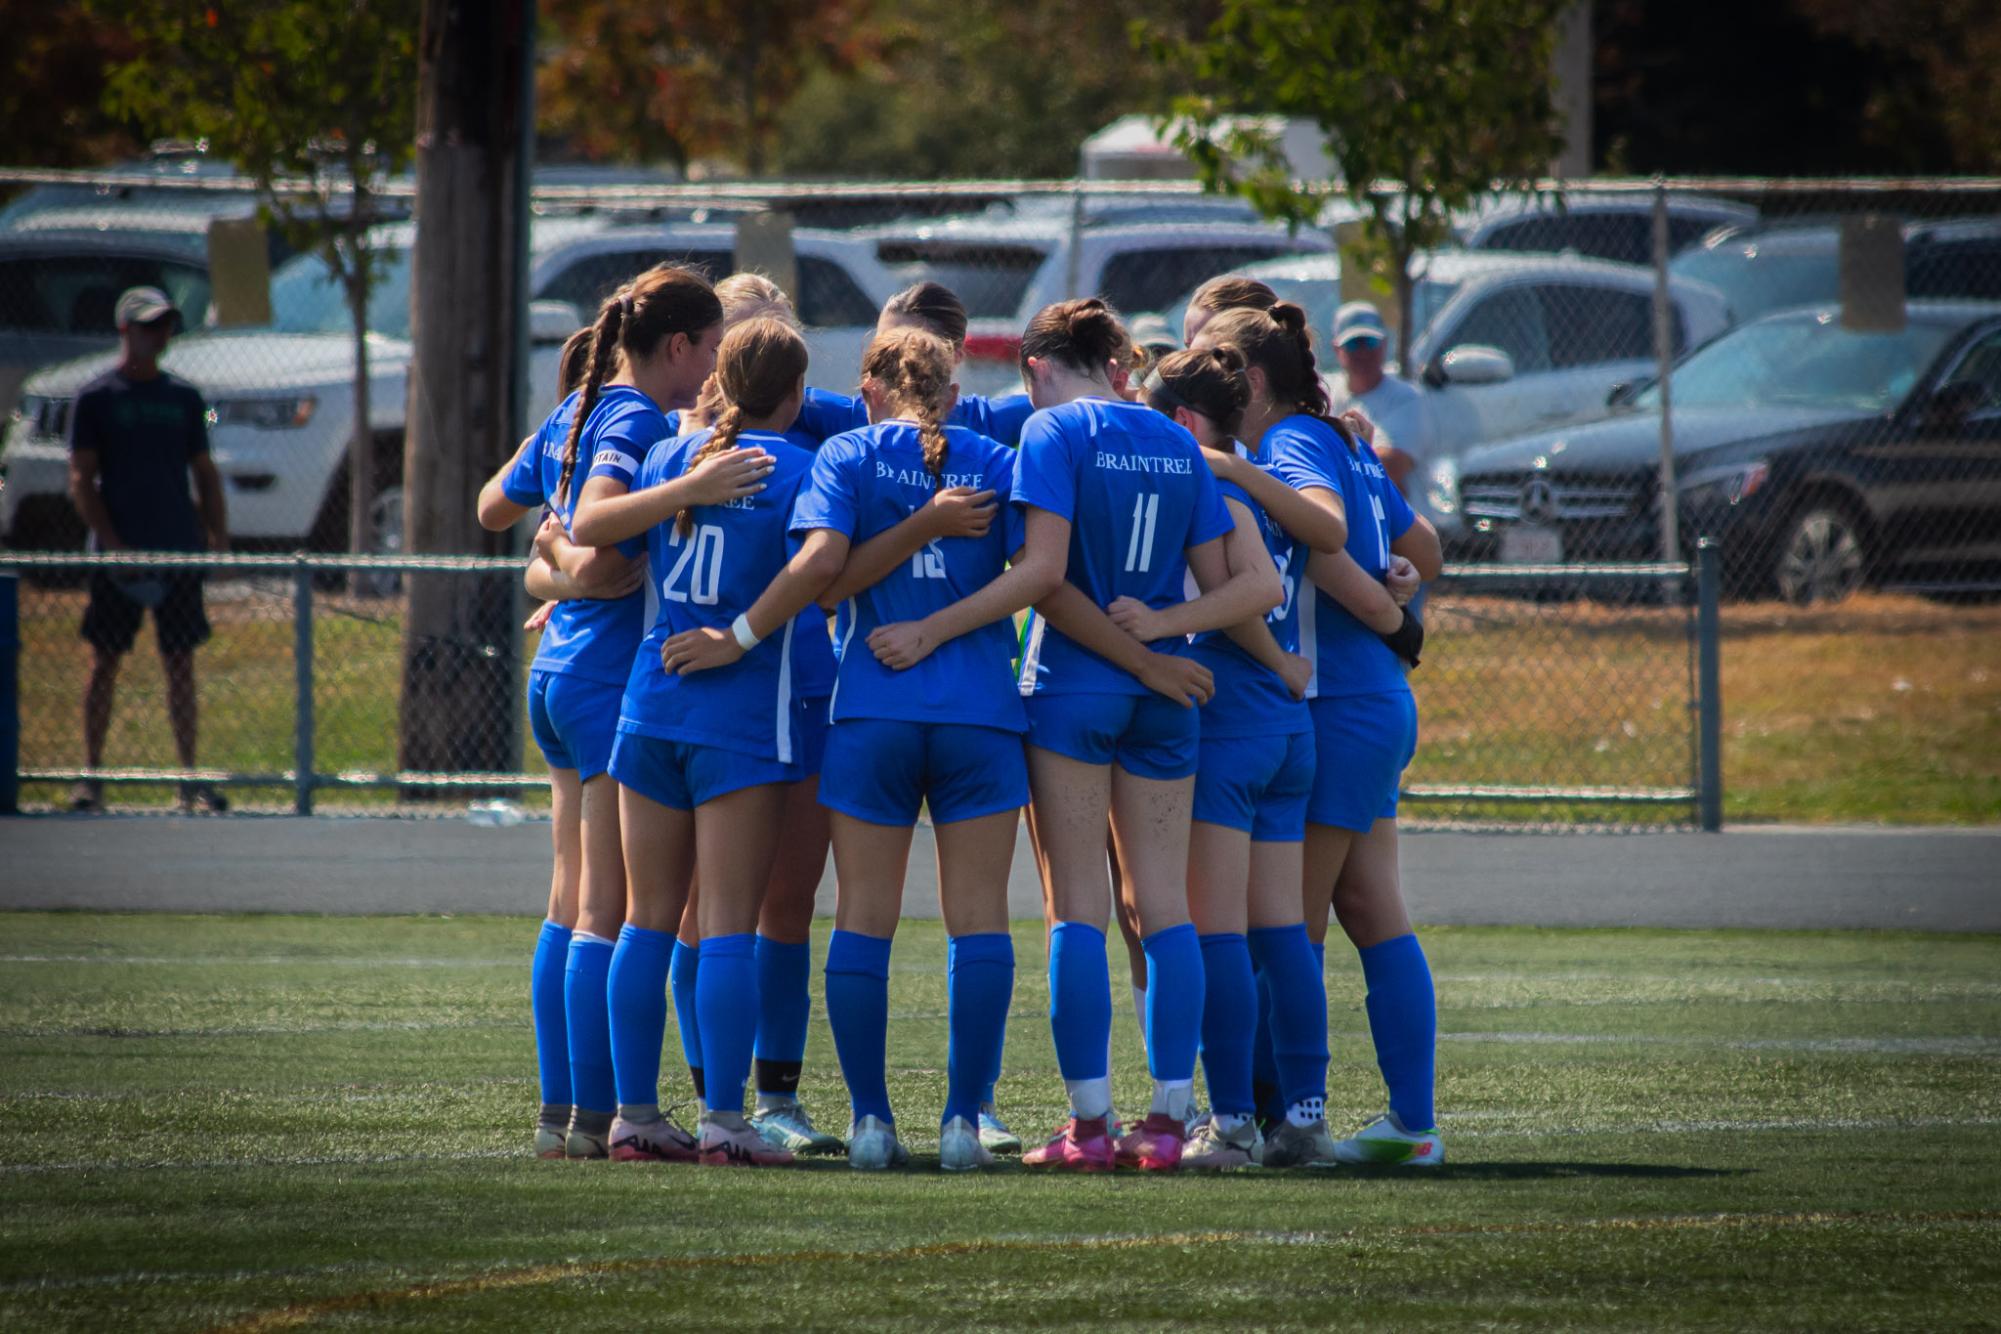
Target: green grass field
{"type": "Point", "coordinates": [271, 1123]}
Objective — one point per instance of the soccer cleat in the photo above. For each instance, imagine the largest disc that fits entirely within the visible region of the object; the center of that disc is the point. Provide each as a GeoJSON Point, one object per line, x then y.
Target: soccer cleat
{"type": "Point", "coordinates": [1210, 1149]}
{"type": "Point", "coordinates": [550, 1141]}
{"type": "Point", "coordinates": [785, 1125]}
{"type": "Point", "coordinates": [873, 1146]}
{"type": "Point", "coordinates": [651, 1142]}
{"type": "Point", "coordinates": [994, 1134]}
{"type": "Point", "coordinates": [1080, 1146]}
{"type": "Point", "coordinates": [1300, 1146]}
{"type": "Point", "coordinates": [583, 1144]}
{"type": "Point", "coordinates": [1154, 1145]}
{"type": "Point", "coordinates": [959, 1147]}
{"type": "Point", "coordinates": [202, 797]}
{"type": "Point", "coordinates": [727, 1140]}
{"type": "Point", "coordinates": [1196, 1119]}
{"type": "Point", "coordinates": [1383, 1142]}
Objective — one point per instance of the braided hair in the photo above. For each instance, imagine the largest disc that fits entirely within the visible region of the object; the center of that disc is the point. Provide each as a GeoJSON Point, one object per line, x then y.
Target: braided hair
{"type": "Point", "coordinates": [759, 364]}
{"type": "Point", "coordinates": [1278, 343]}
{"type": "Point", "coordinates": [633, 321]}
{"type": "Point", "coordinates": [914, 369]}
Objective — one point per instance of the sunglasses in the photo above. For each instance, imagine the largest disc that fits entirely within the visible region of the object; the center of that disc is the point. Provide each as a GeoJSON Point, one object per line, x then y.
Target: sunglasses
{"type": "Point", "coordinates": [1367, 343]}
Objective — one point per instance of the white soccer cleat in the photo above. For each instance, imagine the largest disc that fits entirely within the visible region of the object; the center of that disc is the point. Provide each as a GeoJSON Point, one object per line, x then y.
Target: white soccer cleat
{"type": "Point", "coordinates": [994, 1134]}
{"type": "Point", "coordinates": [874, 1147]}
{"type": "Point", "coordinates": [1385, 1143]}
{"type": "Point", "coordinates": [960, 1149]}
{"type": "Point", "coordinates": [785, 1125]}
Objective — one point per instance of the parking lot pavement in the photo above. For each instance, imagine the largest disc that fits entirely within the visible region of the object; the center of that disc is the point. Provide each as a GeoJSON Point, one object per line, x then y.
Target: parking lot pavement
{"type": "Point", "coordinates": [1935, 880]}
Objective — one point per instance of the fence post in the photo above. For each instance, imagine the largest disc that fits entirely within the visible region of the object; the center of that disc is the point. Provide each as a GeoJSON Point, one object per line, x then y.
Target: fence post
{"type": "Point", "coordinates": [1073, 263]}
{"type": "Point", "coordinates": [302, 675]}
{"type": "Point", "coordinates": [1668, 509]}
{"type": "Point", "coordinates": [1709, 683]}
{"type": "Point", "coordinates": [10, 698]}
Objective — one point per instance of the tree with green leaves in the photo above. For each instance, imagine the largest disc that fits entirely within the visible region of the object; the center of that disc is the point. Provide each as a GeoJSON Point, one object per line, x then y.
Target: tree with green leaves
{"type": "Point", "coordinates": [311, 99]}
{"type": "Point", "coordinates": [1426, 105]}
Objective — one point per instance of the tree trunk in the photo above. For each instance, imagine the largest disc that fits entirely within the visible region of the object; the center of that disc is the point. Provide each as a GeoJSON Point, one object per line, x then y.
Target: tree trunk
{"type": "Point", "coordinates": [361, 442]}
{"type": "Point", "coordinates": [461, 658]}
{"type": "Point", "coordinates": [1406, 292]}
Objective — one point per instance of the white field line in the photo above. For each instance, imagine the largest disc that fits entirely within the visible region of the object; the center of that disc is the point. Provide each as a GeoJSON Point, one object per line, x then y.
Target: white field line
{"type": "Point", "coordinates": [262, 961]}
{"type": "Point", "coordinates": [261, 1030]}
{"type": "Point", "coordinates": [1897, 1046]}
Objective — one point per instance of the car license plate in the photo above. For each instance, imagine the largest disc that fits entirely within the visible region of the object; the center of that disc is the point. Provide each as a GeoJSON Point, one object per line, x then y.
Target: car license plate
{"type": "Point", "coordinates": [1528, 544]}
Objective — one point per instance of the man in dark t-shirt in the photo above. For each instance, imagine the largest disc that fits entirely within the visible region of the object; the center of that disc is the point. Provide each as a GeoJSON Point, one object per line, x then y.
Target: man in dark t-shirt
{"type": "Point", "coordinates": [136, 434]}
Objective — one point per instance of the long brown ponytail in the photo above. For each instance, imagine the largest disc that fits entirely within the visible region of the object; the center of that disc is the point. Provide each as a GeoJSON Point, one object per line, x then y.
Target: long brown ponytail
{"type": "Point", "coordinates": [659, 303]}
{"type": "Point", "coordinates": [758, 366]}
{"type": "Point", "coordinates": [914, 369]}
{"type": "Point", "coordinates": [1277, 342]}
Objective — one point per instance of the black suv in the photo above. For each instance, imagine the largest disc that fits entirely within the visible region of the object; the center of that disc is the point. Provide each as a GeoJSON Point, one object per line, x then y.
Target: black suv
{"type": "Point", "coordinates": [1821, 457]}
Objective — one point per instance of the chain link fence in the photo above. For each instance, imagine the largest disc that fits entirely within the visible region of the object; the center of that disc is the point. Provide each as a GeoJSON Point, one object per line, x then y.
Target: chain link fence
{"type": "Point", "coordinates": [1832, 422]}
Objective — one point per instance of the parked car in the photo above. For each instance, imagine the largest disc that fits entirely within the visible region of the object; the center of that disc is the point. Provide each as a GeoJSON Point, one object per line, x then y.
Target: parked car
{"type": "Point", "coordinates": [1008, 263]}
{"type": "Point", "coordinates": [1614, 227]}
{"type": "Point", "coordinates": [1822, 458]}
{"type": "Point", "coordinates": [1506, 343]}
{"type": "Point", "coordinates": [281, 399]}
{"type": "Point", "coordinates": [1763, 269]}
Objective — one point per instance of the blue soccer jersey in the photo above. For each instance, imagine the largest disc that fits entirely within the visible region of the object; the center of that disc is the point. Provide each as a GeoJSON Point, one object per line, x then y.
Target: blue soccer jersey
{"type": "Point", "coordinates": [866, 482]}
{"type": "Point", "coordinates": [593, 638]}
{"type": "Point", "coordinates": [708, 579]}
{"type": "Point", "coordinates": [827, 415]}
{"type": "Point", "coordinates": [1348, 658]}
{"type": "Point", "coordinates": [1137, 494]}
{"type": "Point", "coordinates": [1250, 699]}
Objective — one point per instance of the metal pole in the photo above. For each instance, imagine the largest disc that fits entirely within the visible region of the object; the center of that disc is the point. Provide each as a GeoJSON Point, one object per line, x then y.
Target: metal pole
{"type": "Point", "coordinates": [1709, 683]}
{"type": "Point", "coordinates": [1664, 369]}
{"type": "Point", "coordinates": [10, 697]}
{"type": "Point", "coordinates": [1073, 266]}
{"type": "Point", "coordinates": [302, 675]}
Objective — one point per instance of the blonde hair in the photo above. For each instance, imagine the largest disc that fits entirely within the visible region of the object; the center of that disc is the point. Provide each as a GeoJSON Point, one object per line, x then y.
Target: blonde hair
{"type": "Point", "coordinates": [759, 364]}
{"type": "Point", "coordinates": [752, 296]}
{"type": "Point", "coordinates": [914, 369]}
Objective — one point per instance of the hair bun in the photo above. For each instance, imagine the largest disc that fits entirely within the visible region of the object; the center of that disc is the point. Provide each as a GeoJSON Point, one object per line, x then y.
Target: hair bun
{"type": "Point", "coordinates": [1290, 317]}
{"type": "Point", "coordinates": [1229, 356]}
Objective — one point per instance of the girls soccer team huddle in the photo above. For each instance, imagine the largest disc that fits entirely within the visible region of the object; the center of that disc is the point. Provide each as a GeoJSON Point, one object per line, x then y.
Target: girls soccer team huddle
{"type": "Point", "coordinates": [1205, 715]}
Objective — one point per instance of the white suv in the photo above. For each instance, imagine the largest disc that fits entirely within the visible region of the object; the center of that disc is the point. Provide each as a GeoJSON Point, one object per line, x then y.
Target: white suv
{"type": "Point", "coordinates": [1013, 260]}
{"type": "Point", "coordinates": [281, 399]}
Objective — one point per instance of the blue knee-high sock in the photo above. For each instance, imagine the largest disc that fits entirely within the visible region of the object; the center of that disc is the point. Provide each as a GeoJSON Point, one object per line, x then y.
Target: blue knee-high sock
{"type": "Point", "coordinates": [587, 1013]}
{"type": "Point", "coordinates": [857, 978]}
{"type": "Point", "coordinates": [992, 1075]}
{"type": "Point", "coordinates": [682, 971]}
{"type": "Point", "coordinates": [1298, 1010]}
{"type": "Point", "coordinates": [545, 993]}
{"type": "Point", "coordinates": [1173, 1001]}
{"type": "Point", "coordinates": [1080, 999]}
{"type": "Point", "coordinates": [1264, 1065]}
{"type": "Point", "coordinates": [637, 986]}
{"type": "Point", "coordinates": [979, 974]}
{"type": "Point", "coordinates": [726, 1012]}
{"type": "Point", "coordinates": [784, 1004]}
{"type": "Point", "coordinates": [1403, 1019]}
{"type": "Point", "coordinates": [1229, 1021]}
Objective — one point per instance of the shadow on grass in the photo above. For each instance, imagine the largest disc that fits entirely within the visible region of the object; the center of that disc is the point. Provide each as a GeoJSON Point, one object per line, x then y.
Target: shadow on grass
{"type": "Point", "coordinates": [927, 1165]}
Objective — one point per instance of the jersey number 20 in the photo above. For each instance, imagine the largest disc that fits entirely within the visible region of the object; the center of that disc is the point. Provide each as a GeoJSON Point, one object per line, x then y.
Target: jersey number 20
{"type": "Point", "coordinates": [701, 561]}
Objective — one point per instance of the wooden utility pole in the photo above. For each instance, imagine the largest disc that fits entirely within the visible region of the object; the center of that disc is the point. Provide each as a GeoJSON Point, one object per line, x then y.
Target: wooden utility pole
{"type": "Point", "coordinates": [468, 378]}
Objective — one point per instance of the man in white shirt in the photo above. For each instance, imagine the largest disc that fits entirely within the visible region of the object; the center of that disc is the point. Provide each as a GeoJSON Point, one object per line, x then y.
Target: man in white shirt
{"type": "Point", "coordinates": [1404, 432]}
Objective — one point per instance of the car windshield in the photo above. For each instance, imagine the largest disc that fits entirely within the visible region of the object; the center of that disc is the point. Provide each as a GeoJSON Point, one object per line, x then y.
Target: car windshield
{"type": "Point", "coordinates": [307, 298]}
{"type": "Point", "coordinates": [1757, 282]}
{"type": "Point", "coordinates": [1804, 361]}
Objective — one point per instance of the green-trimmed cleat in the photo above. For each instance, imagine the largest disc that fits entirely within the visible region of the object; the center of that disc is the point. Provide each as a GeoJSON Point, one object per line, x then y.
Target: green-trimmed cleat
{"type": "Point", "coordinates": [785, 1125]}
{"type": "Point", "coordinates": [1385, 1143]}
{"type": "Point", "coordinates": [873, 1146]}
{"type": "Point", "coordinates": [959, 1147]}
{"type": "Point", "coordinates": [1300, 1146]}
{"type": "Point", "coordinates": [995, 1137]}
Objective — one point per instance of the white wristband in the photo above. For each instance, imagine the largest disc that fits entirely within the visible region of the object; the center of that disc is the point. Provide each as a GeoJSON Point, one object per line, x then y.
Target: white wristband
{"type": "Point", "coordinates": [745, 640]}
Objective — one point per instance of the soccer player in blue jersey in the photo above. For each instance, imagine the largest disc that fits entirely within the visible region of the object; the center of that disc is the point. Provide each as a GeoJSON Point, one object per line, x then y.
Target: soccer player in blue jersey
{"type": "Point", "coordinates": [1112, 727]}
{"type": "Point", "coordinates": [646, 343]}
{"type": "Point", "coordinates": [1256, 763]}
{"type": "Point", "coordinates": [1365, 732]}
{"type": "Point", "coordinates": [925, 713]}
{"type": "Point", "coordinates": [936, 309]}
{"type": "Point", "coordinates": [706, 747]}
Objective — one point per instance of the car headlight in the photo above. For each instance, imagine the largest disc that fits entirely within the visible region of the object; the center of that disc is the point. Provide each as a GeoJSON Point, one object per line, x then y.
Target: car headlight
{"type": "Point", "coordinates": [1442, 489]}
{"type": "Point", "coordinates": [263, 414]}
{"type": "Point", "coordinates": [1729, 484]}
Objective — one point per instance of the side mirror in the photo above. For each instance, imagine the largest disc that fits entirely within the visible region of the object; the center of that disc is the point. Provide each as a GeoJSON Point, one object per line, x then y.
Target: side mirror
{"type": "Point", "coordinates": [1626, 391]}
{"type": "Point", "coordinates": [1952, 403]}
{"type": "Point", "coordinates": [552, 321]}
{"type": "Point", "coordinates": [1476, 363]}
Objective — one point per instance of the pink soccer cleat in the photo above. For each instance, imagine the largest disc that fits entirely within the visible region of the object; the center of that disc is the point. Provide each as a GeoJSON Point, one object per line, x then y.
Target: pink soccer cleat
{"type": "Point", "coordinates": [1080, 1146]}
{"type": "Point", "coordinates": [728, 1140]}
{"type": "Point", "coordinates": [1154, 1145]}
{"type": "Point", "coordinates": [659, 1141]}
